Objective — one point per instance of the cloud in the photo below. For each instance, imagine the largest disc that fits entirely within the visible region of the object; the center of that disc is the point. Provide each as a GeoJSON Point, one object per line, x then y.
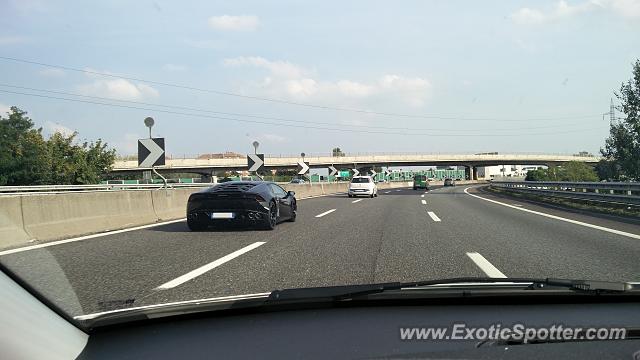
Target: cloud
{"type": "Point", "coordinates": [291, 81]}
{"type": "Point", "coordinates": [127, 145]}
{"type": "Point", "coordinates": [563, 10]}
{"type": "Point", "coordinates": [52, 72]}
{"type": "Point", "coordinates": [53, 128]}
{"type": "Point", "coordinates": [560, 10]}
{"type": "Point", "coordinates": [626, 8]}
{"type": "Point", "coordinates": [234, 23]}
{"type": "Point", "coordinates": [278, 68]}
{"type": "Point", "coordinates": [12, 39]}
{"type": "Point", "coordinates": [174, 67]}
{"type": "Point", "coordinates": [118, 89]}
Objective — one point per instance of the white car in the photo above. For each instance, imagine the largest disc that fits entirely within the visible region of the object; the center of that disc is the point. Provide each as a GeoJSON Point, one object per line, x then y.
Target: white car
{"type": "Point", "coordinates": [362, 185]}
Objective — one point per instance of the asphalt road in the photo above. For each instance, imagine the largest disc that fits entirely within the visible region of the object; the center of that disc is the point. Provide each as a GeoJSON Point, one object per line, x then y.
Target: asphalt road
{"type": "Point", "coordinates": [403, 235]}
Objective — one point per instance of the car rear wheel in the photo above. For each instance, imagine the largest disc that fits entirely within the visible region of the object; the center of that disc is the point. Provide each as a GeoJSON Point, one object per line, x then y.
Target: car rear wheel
{"type": "Point", "coordinates": [349, 195]}
{"type": "Point", "coordinates": [195, 225]}
{"type": "Point", "coordinates": [272, 217]}
{"type": "Point", "coordinates": [294, 212]}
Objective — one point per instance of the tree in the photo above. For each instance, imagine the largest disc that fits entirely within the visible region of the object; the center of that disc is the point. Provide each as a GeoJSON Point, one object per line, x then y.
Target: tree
{"type": "Point", "coordinates": [23, 159]}
{"type": "Point", "coordinates": [336, 152]}
{"type": "Point", "coordinates": [536, 175]}
{"type": "Point", "coordinates": [622, 147]}
{"type": "Point", "coordinates": [73, 163]}
{"type": "Point", "coordinates": [574, 171]}
{"type": "Point", "coordinates": [32, 160]}
{"type": "Point", "coordinates": [608, 170]}
{"type": "Point", "coordinates": [577, 171]}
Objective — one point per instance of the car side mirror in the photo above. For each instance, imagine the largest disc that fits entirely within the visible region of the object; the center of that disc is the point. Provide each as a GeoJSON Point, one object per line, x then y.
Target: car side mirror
{"type": "Point", "coordinates": [291, 193]}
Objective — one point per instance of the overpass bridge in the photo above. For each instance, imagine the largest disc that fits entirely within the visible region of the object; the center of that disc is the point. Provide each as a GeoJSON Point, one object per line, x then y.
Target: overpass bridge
{"type": "Point", "coordinates": [364, 161]}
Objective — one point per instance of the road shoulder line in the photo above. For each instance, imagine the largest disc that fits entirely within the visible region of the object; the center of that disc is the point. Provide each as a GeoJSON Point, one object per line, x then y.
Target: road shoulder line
{"type": "Point", "coordinates": [576, 222]}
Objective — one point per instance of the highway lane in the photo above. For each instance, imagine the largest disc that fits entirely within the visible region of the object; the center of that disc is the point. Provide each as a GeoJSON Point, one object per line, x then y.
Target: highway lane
{"type": "Point", "coordinates": [394, 237]}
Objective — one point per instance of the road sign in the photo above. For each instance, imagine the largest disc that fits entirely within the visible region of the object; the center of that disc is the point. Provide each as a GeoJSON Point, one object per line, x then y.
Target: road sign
{"type": "Point", "coordinates": [373, 173]}
{"type": "Point", "coordinates": [150, 152]}
{"type": "Point", "coordinates": [303, 167]}
{"type": "Point", "coordinates": [255, 162]}
{"type": "Point", "coordinates": [387, 172]}
{"type": "Point", "coordinates": [332, 170]}
{"type": "Point", "coordinates": [344, 174]}
{"type": "Point", "coordinates": [355, 172]}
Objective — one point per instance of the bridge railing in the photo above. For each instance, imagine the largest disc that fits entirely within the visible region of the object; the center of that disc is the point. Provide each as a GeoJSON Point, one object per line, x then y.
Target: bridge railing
{"type": "Point", "coordinates": [52, 189]}
{"type": "Point", "coordinates": [619, 193]}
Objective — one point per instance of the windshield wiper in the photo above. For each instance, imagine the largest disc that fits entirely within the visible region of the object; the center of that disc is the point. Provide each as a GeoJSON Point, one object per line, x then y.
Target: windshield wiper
{"type": "Point", "coordinates": [351, 291]}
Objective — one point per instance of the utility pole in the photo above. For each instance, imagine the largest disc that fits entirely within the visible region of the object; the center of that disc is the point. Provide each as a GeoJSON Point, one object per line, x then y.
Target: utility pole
{"type": "Point", "coordinates": [611, 113]}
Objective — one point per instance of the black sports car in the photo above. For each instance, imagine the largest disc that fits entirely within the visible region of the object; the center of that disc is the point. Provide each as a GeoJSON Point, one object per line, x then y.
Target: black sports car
{"type": "Point", "coordinates": [258, 203]}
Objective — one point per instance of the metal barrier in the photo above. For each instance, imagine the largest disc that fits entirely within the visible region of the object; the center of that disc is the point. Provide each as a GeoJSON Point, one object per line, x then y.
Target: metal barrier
{"type": "Point", "coordinates": [618, 193]}
{"type": "Point", "coordinates": [40, 189]}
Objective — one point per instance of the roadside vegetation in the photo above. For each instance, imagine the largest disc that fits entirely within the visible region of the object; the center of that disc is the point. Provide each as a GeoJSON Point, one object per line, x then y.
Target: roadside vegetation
{"type": "Point", "coordinates": [572, 171]}
{"type": "Point", "coordinates": [28, 158]}
{"type": "Point", "coordinates": [621, 153]}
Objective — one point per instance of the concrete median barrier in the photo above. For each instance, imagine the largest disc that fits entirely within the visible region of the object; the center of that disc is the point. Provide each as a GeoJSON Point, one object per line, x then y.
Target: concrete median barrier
{"type": "Point", "coordinates": [56, 216]}
{"type": "Point", "coordinates": [171, 204]}
{"type": "Point", "coordinates": [11, 224]}
{"type": "Point", "coordinates": [46, 217]}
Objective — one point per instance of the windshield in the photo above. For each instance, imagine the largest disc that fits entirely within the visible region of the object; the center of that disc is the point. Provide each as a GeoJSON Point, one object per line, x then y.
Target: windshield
{"type": "Point", "coordinates": [114, 120]}
{"type": "Point", "coordinates": [360, 180]}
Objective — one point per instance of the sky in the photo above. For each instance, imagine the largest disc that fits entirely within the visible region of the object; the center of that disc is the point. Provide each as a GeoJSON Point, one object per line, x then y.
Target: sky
{"type": "Point", "coordinates": [365, 76]}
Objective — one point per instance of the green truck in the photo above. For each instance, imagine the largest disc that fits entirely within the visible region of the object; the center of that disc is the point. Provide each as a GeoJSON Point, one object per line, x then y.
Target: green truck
{"type": "Point", "coordinates": [420, 182]}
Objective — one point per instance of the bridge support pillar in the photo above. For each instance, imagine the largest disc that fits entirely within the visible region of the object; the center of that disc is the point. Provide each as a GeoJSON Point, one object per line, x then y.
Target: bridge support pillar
{"type": "Point", "coordinates": [469, 172]}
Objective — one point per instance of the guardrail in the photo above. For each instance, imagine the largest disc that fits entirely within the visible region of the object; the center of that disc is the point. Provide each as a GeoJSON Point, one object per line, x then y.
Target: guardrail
{"type": "Point", "coordinates": [16, 190]}
{"type": "Point", "coordinates": [618, 193]}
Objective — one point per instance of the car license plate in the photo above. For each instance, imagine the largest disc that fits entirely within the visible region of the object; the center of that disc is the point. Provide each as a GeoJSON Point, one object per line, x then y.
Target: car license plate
{"type": "Point", "coordinates": [222, 215]}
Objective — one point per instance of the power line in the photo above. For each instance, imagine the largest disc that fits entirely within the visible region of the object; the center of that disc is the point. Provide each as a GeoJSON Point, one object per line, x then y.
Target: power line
{"type": "Point", "coordinates": [286, 125]}
{"type": "Point", "coordinates": [268, 117]}
{"type": "Point", "coordinates": [287, 102]}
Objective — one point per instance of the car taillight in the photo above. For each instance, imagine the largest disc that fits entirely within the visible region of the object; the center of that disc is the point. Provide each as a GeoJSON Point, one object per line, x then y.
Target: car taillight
{"type": "Point", "coordinates": [258, 198]}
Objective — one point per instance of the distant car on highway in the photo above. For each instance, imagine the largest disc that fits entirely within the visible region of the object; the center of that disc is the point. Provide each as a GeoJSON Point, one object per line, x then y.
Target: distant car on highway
{"type": "Point", "coordinates": [258, 203]}
{"type": "Point", "coordinates": [362, 185]}
{"type": "Point", "coordinates": [420, 182]}
{"type": "Point", "coordinates": [297, 181]}
{"type": "Point", "coordinates": [449, 182]}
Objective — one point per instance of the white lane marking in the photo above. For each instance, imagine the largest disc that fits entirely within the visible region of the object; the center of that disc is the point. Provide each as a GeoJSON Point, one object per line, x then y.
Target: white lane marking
{"type": "Point", "coordinates": [203, 269]}
{"type": "Point", "coordinates": [576, 222]}
{"type": "Point", "coordinates": [424, 202]}
{"type": "Point", "coordinates": [518, 205]}
{"type": "Point", "coordinates": [398, 190]}
{"type": "Point", "coordinates": [387, 192]}
{"type": "Point", "coordinates": [422, 195]}
{"type": "Point", "coordinates": [433, 216]}
{"type": "Point", "coordinates": [325, 213]}
{"type": "Point", "coordinates": [355, 201]}
{"type": "Point", "coordinates": [86, 237]}
{"type": "Point", "coordinates": [486, 266]}
{"type": "Point", "coordinates": [155, 306]}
